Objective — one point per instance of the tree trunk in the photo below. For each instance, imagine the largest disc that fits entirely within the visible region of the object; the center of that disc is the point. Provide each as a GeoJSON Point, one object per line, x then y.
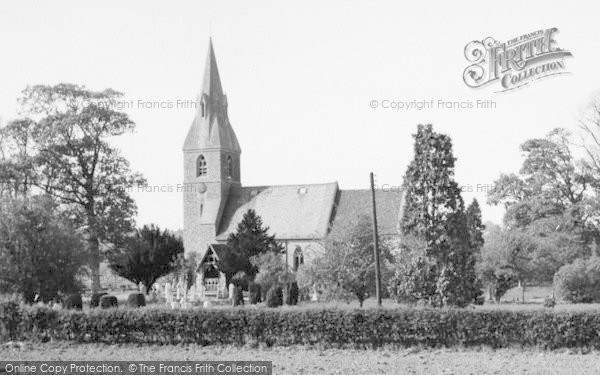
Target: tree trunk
{"type": "Point", "coordinates": [94, 262]}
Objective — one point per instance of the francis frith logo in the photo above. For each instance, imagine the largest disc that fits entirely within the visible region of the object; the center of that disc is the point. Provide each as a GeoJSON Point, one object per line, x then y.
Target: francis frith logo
{"type": "Point", "coordinates": [514, 63]}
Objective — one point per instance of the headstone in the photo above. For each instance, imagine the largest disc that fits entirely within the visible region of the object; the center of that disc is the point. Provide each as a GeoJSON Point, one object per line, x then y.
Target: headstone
{"type": "Point", "coordinates": [168, 296]}
{"type": "Point", "coordinates": [231, 291]}
{"type": "Point", "coordinates": [314, 296]}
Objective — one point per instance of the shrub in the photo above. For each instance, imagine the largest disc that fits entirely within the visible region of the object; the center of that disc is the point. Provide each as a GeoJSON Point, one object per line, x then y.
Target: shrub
{"type": "Point", "coordinates": [95, 300]}
{"type": "Point", "coordinates": [579, 282]}
{"type": "Point", "coordinates": [238, 296]}
{"type": "Point", "coordinates": [291, 296]}
{"type": "Point", "coordinates": [10, 319]}
{"type": "Point", "coordinates": [254, 293]}
{"type": "Point", "coordinates": [275, 296]}
{"type": "Point", "coordinates": [136, 300]}
{"type": "Point", "coordinates": [240, 280]}
{"type": "Point", "coordinates": [73, 302]}
{"type": "Point", "coordinates": [108, 301]}
{"type": "Point", "coordinates": [549, 302]}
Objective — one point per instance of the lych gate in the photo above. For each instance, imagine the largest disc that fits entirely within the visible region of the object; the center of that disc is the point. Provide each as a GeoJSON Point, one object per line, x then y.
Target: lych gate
{"type": "Point", "coordinates": [210, 282]}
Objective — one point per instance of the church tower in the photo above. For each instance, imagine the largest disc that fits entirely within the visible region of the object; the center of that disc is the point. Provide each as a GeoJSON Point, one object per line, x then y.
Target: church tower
{"type": "Point", "coordinates": [211, 162]}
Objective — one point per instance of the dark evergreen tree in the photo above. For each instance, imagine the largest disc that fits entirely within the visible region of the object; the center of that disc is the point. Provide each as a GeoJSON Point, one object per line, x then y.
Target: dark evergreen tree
{"type": "Point", "coordinates": [146, 256]}
{"type": "Point", "coordinates": [475, 225]}
{"type": "Point", "coordinates": [434, 213]}
{"type": "Point", "coordinates": [250, 240]}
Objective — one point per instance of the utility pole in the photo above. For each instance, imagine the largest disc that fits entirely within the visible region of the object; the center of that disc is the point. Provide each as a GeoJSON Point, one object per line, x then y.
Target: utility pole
{"type": "Point", "coordinates": [376, 243]}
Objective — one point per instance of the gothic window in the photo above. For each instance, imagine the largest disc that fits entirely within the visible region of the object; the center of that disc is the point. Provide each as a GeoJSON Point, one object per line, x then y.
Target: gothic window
{"type": "Point", "coordinates": [201, 168]}
{"type": "Point", "coordinates": [229, 167]}
{"type": "Point", "coordinates": [298, 258]}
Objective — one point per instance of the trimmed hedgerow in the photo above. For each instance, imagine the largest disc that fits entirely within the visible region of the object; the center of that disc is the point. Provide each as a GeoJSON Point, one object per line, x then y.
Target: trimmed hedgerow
{"type": "Point", "coordinates": [357, 328]}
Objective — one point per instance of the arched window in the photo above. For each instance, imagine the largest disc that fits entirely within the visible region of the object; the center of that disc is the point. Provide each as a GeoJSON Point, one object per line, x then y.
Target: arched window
{"type": "Point", "coordinates": [201, 168]}
{"type": "Point", "coordinates": [298, 258]}
{"type": "Point", "coordinates": [229, 167]}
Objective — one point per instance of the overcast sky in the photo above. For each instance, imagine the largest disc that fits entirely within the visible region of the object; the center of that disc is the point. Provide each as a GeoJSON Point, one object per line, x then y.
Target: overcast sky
{"type": "Point", "coordinates": [300, 77]}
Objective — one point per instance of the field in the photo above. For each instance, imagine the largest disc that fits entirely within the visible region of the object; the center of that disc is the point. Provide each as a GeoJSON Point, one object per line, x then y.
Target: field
{"type": "Point", "coordinates": [303, 360]}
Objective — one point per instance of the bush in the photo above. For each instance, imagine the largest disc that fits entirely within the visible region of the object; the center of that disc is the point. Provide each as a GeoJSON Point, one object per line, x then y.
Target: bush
{"type": "Point", "coordinates": [549, 302]}
{"type": "Point", "coordinates": [95, 300]}
{"type": "Point", "coordinates": [579, 282]}
{"type": "Point", "coordinates": [73, 302]}
{"type": "Point", "coordinates": [10, 319]}
{"type": "Point", "coordinates": [291, 295]}
{"type": "Point", "coordinates": [254, 293]}
{"type": "Point", "coordinates": [240, 280]}
{"type": "Point", "coordinates": [238, 296]}
{"type": "Point", "coordinates": [136, 300]}
{"type": "Point", "coordinates": [275, 296]}
{"type": "Point", "coordinates": [108, 301]}
{"type": "Point", "coordinates": [367, 328]}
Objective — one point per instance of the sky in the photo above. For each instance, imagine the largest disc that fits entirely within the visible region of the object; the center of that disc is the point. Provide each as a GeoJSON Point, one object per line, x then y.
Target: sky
{"type": "Point", "coordinates": [301, 78]}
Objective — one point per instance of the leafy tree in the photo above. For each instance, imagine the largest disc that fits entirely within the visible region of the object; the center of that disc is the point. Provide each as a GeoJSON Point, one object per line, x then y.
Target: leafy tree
{"type": "Point", "coordinates": [434, 213]}
{"type": "Point", "coordinates": [346, 269]}
{"type": "Point", "coordinates": [250, 240]}
{"type": "Point", "coordinates": [147, 255]}
{"type": "Point", "coordinates": [415, 276]}
{"type": "Point", "coordinates": [507, 258]}
{"type": "Point", "coordinates": [272, 271]}
{"type": "Point", "coordinates": [73, 160]}
{"type": "Point", "coordinates": [40, 250]}
{"type": "Point", "coordinates": [552, 203]}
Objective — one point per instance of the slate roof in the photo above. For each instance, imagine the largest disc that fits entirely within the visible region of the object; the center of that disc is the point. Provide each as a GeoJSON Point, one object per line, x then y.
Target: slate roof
{"type": "Point", "coordinates": [351, 204]}
{"type": "Point", "coordinates": [309, 212]}
{"type": "Point", "coordinates": [290, 211]}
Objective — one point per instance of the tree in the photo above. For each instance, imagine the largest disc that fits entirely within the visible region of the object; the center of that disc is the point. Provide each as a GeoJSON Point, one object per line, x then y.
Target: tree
{"type": "Point", "coordinates": [475, 226]}
{"type": "Point", "coordinates": [434, 213]}
{"type": "Point", "coordinates": [551, 202]}
{"type": "Point", "coordinates": [40, 250]}
{"type": "Point", "coordinates": [250, 240]}
{"type": "Point", "coordinates": [147, 255]}
{"type": "Point", "coordinates": [73, 161]}
{"type": "Point", "coordinates": [272, 271]}
{"type": "Point", "coordinates": [507, 257]}
{"type": "Point", "coordinates": [346, 269]}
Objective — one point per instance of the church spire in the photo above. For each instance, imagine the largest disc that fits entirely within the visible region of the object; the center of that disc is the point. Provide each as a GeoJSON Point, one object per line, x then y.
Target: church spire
{"type": "Point", "coordinates": [211, 127]}
{"type": "Point", "coordinates": [211, 85]}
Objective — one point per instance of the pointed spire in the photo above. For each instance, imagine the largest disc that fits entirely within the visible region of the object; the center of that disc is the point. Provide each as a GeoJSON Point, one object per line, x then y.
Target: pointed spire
{"type": "Point", "coordinates": [211, 85]}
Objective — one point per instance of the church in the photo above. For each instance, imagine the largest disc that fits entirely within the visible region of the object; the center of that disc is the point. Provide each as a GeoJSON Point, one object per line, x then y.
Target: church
{"type": "Point", "coordinates": [300, 216]}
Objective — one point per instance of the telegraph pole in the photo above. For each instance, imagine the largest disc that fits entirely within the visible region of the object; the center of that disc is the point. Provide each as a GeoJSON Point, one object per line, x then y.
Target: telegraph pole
{"type": "Point", "coordinates": [376, 243]}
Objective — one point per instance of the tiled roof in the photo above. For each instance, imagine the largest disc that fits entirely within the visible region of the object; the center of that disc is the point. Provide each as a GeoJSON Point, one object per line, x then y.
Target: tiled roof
{"type": "Point", "coordinates": [290, 212]}
{"type": "Point", "coordinates": [307, 211]}
{"type": "Point", "coordinates": [351, 204]}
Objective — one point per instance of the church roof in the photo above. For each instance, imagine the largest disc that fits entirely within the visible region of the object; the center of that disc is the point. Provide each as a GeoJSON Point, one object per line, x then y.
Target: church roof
{"type": "Point", "coordinates": [290, 211]}
{"type": "Point", "coordinates": [304, 212]}
{"type": "Point", "coordinates": [355, 203]}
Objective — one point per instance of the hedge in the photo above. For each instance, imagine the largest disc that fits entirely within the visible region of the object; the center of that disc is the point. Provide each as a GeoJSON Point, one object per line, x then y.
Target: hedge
{"type": "Point", "coordinates": [336, 328]}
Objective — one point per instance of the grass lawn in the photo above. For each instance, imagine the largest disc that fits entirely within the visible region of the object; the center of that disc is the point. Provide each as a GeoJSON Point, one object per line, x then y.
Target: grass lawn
{"type": "Point", "coordinates": [303, 360]}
